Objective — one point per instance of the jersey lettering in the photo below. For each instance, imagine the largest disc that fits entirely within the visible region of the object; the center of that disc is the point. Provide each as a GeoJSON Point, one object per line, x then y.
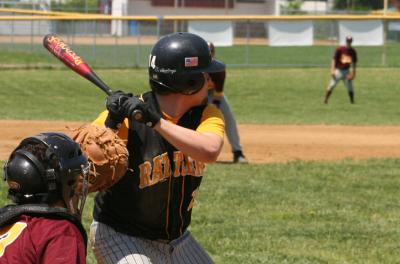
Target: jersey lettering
{"type": "Point", "coordinates": [158, 174]}
{"type": "Point", "coordinates": [161, 169]}
{"type": "Point", "coordinates": [346, 59]}
{"type": "Point", "coordinates": [9, 234]}
{"type": "Point", "coordinates": [145, 174]}
{"type": "Point", "coordinates": [188, 167]}
{"type": "Point", "coordinates": [178, 158]}
{"type": "Point", "coordinates": [194, 195]}
{"type": "Point", "coordinates": [166, 165]}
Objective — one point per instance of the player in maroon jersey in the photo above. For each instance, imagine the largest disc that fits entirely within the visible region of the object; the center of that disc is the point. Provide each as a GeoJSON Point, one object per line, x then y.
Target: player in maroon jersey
{"type": "Point", "coordinates": [345, 57]}
{"type": "Point", "coordinates": [43, 226]}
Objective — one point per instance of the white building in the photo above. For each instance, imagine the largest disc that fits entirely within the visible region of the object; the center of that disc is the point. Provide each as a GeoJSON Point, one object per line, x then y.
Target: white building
{"type": "Point", "coordinates": [195, 7]}
{"type": "Point", "coordinates": [189, 7]}
{"type": "Point", "coordinates": [315, 7]}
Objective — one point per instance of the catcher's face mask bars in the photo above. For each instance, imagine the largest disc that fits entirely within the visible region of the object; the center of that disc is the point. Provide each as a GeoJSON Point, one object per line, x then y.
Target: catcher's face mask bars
{"type": "Point", "coordinates": [77, 203]}
{"type": "Point", "coordinates": [85, 187]}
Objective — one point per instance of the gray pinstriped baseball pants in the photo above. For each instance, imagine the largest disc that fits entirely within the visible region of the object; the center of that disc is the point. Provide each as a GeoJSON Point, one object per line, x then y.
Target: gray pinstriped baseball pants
{"type": "Point", "coordinates": [340, 74]}
{"type": "Point", "coordinates": [112, 247]}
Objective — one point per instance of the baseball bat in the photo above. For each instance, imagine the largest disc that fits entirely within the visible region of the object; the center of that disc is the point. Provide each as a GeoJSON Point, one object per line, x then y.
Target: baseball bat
{"type": "Point", "coordinates": [56, 46]}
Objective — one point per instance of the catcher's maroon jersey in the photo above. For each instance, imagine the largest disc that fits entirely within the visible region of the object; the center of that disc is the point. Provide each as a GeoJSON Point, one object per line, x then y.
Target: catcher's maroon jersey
{"type": "Point", "coordinates": [41, 240]}
{"type": "Point", "coordinates": [154, 199]}
{"type": "Point", "coordinates": [344, 57]}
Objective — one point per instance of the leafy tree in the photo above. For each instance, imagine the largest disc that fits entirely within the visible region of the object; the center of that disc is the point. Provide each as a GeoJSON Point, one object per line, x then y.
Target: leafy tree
{"type": "Point", "coordinates": [294, 4]}
{"type": "Point", "coordinates": [292, 7]}
{"type": "Point", "coordinates": [91, 6]}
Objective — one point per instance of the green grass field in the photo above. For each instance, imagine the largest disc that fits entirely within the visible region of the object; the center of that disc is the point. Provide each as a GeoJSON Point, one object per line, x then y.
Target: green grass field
{"type": "Point", "coordinates": [257, 95]}
{"type": "Point", "coordinates": [122, 56]}
{"type": "Point", "coordinates": [299, 212]}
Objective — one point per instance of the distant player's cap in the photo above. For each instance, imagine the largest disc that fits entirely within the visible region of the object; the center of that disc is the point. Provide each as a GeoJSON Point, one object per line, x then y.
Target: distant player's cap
{"type": "Point", "coordinates": [349, 38]}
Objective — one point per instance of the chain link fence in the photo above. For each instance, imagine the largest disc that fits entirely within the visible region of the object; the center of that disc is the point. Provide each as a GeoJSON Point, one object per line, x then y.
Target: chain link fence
{"type": "Point", "coordinates": [98, 42]}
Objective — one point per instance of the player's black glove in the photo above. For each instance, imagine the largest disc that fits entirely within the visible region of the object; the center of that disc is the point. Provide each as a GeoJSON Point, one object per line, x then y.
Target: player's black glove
{"type": "Point", "coordinates": [116, 114]}
{"type": "Point", "coordinates": [121, 105]}
{"type": "Point", "coordinates": [129, 105]}
{"type": "Point", "coordinates": [149, 116]}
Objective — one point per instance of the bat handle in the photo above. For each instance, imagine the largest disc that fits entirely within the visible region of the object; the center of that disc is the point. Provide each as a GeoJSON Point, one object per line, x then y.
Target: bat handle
{"type": "Point", "coordinates": [108, 91]}
{"type": "Point", "coordinates": [109, 122]}
{"type": "Point", "coordinates": [137, 115]}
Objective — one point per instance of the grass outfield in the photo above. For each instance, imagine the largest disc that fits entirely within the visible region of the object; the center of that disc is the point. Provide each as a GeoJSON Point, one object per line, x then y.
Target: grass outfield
{"type": "Point", "coordinates": [257, 95]}
{"type": "Point", "coordinates": [120, 56]}
{"type": "Point", "coordinates": [300, 212]}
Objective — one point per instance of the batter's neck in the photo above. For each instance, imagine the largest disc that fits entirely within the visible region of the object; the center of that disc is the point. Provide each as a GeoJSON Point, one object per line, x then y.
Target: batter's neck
{"type": "Point", "coordinates": [174, 105]}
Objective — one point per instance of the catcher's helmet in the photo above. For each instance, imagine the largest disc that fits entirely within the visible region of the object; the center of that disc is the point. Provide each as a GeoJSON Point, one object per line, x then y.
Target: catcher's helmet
{"type": "Point", "coordinates": [44, 169]}
{"type": "Point", "coordinates": [177, 63]}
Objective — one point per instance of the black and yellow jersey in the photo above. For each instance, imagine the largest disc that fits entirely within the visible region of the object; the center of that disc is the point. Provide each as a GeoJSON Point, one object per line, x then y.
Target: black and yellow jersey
{"type": "Point", "coordinates": [154, 199]}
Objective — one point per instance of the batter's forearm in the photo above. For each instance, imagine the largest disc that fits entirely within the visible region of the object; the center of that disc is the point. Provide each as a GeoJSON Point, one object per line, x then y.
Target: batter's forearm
{"type": "Point", "coordinates": [204, 147]}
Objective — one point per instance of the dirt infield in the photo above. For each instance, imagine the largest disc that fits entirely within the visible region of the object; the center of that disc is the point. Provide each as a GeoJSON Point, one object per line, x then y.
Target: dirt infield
{"type": "Point", "coordinates": [261, 143]}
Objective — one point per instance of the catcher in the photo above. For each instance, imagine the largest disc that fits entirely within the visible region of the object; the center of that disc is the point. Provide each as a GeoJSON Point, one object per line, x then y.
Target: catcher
{"type": "Point", "coordinates": [43, 226]}
{"type": "Point", "coordinates": [344, 58]}
{"type": "Point", "coordinates": [144, 217]}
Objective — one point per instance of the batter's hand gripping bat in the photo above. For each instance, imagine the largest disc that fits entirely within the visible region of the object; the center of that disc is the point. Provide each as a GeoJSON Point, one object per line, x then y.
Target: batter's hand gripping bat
{"type": "Point", "coordinates": [56, 46]}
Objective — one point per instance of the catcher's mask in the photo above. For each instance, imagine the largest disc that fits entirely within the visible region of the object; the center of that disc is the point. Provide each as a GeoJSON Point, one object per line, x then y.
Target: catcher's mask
{"type": "Point", "coordinates": [44, 169]}
{"type": "Point", "coordinates": [177, 63]}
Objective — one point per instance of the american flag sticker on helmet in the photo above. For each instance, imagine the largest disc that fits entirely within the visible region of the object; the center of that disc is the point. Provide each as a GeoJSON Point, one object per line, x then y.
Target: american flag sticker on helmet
{"type": "Point", "coordinates": [191, 61]}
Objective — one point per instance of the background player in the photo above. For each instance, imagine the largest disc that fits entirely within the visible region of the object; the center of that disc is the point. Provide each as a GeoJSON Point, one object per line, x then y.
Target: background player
{"type": "Point", "coordinates": [217, 97]}
{"type": "Point", "coordinates": [144, 217]}
{"type": "Point", "coordinates": [344, 58]}
{"type": "Point", "coordinates": [44, 226]}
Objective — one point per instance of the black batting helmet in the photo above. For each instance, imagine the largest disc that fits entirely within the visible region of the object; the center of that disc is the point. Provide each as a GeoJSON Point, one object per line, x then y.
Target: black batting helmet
{"type": "Point", "coordinates": [44, 169]}
{"type": "Point", "coordinates": [177, 63]}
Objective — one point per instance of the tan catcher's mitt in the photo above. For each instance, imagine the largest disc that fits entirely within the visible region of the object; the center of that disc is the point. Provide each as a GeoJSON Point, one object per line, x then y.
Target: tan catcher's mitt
{"type": "Point", "coordinates": [107, 154]}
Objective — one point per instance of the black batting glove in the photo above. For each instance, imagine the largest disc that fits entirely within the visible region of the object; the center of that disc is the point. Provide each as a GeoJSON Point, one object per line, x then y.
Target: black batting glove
{"type": "Point", "coordinates": [129, 105]}
{"type": "Point", "coordinates": [122, 105]}
{"type": "Point", "coordinates": [116, 113]}
{"type": "Point", "coordinates": [151, 117]}
{"type": "Point", "coordinates": [115, 101]}
{"type": "Point", "coordinates": [148, 116]}
{"type": "Point", "coordinates": [113, 121]}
